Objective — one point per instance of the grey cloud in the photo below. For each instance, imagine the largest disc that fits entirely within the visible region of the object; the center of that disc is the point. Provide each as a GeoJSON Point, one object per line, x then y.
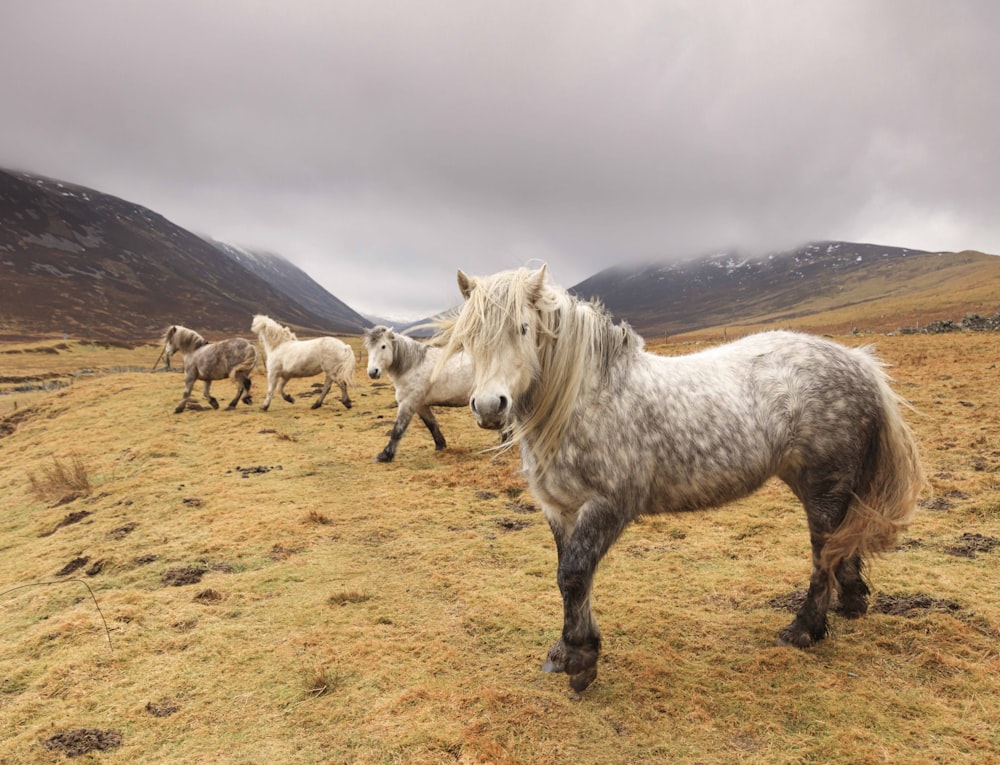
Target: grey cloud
{"type": "Point", "coordinates": [382, 145]}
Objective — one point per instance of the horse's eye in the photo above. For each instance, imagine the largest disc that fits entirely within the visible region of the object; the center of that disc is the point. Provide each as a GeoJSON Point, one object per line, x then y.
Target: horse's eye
{"type": "Point", "coordinates": [383, 347]}
{"type": "Point", "coordinates": [524, 329]}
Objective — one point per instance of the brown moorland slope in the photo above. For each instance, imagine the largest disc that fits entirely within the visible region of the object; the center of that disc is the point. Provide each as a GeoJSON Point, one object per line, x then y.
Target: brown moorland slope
{"type": "Point", "coordinates": [272, 595]}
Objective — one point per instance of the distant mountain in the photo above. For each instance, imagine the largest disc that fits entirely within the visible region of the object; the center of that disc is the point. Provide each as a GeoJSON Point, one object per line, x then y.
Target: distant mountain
{"type": "Point", "coordinates": [296, 285]}
{"type": "Point", "coordinates": [828, 285]}
{"type": "Point", "coordinates": [94, 266]}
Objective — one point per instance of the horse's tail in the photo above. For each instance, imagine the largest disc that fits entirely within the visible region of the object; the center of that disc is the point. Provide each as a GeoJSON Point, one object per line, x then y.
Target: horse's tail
{"type": "Point", "coordinates": [345, 366]}
{"type": "Point", "coordinates": [885, 500]}
{"type": "Point", "coordinates": [247, 363]}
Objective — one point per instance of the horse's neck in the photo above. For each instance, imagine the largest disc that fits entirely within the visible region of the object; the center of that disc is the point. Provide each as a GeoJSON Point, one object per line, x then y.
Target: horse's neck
{"type": "Point", "coordinates": [272, 340]}
{"type": "Point", "coordinates": [408, 354]}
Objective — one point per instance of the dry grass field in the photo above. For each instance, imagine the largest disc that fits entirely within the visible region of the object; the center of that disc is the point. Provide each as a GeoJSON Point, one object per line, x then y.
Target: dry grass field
{"type": "Point", "coordinates": [267, 594]}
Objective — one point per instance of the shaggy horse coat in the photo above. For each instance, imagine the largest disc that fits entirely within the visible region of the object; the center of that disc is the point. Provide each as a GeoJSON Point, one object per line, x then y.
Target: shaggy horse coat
{"type": "Point", "coordinates": [289, 357]}
{"type": "Point", "coordinates": [409, 364]}
{"type": "Point", "coordinates": [609, 432]}
{"type": "Point", "coordinates": [234, 358]}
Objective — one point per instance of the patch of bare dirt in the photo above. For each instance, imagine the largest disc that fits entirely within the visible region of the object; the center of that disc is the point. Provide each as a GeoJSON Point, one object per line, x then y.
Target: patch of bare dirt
{"type": "Point", "coordinates": [73, 565]}
{"type": "Point", "coordinates": [970, 545]}
{"type": "Point", "coordinates": [74, 743]}
{"type": "Point", "coordinates": [122, 531]}
{"type": "Point", "coordinates": [162, 708]}
{"type": "Point", "coordinates": [70, 519]}
{"type": "Point", "coordinates": [182, 575]}
{"type": "Point", "coordinates": [9, 423]}
{"type": "Point", "coordinates": [246, 472]}
{"type": "Point", "coordinates": [523, 508]}
{"type": "Point", "coordinates": [512, 524]}
{"type": "Point", "coordinates": [912, 606]}
{"type": "Point", "coordinates": [909, 606]}
{"type": "Point", "coordinates": [209, 596]}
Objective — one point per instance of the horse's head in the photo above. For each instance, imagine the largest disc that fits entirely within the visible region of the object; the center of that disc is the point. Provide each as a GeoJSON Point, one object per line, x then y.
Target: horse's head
{"type": "Point", "coordinates": [379, 345]}
{"type": "Point", "coordinates": [499, 327]}
{"type": "Point", "coordinates": [169, 348]}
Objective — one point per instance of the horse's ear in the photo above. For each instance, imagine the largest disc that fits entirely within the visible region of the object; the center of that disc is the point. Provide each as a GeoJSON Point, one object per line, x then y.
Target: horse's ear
{"type": "Point", "coordinates": [170, 332]}
{"type": "Point", "coordinates": [465, 283]}
{"type": "Point", "coordinates": [536, 283]}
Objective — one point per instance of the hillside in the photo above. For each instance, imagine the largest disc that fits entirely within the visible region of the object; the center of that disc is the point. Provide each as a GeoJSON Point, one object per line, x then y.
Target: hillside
{"type": "Point", "coordinates": [832, 286]}
{"type": "Point", "coordinates": [77, 261]}
{"type": "Point", "coordinates": [271, 595]}
{"type": "Point", "coordinates": [296, 285]}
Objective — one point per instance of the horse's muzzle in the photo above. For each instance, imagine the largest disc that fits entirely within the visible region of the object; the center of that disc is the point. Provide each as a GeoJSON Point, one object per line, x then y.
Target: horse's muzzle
{"type": "Point", "coordinates": [490, 410]}
{"type": "Point", "coordinates": [374, 373]}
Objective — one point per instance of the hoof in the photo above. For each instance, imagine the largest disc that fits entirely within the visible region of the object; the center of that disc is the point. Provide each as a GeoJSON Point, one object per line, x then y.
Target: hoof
{"type": "Point", "coordinates": [383, 457]}
{"type": "Point", "coordinates": [316, 405]}
{"type": "Point", "coordinates": [798, 637]}
{"type": "Point", "coordinates": [214, 403]}
{"type": "Point", "coordinates": [581, 680]}
{"type": "Point", "coordinates": [348, 404]}
{"type": "Point", "coordinates": [579, 662]}
{"type": "Point", "coordinates": [288, 398]}
{"type": "Point", "coordinates": [248, 401]}
{"type": "Point", "coordinates": [179, 409]}
{"type": "Point", "coordinates": [230, 407]}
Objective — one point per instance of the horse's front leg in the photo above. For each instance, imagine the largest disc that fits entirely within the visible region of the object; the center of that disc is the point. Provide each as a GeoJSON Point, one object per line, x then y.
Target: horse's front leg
{"type": "Point", "coordinates": [322, 394]}
{"type": "Point", "coordinates": [598, 524]}
{"type": "Point", "coordinates": [428, 418]}
{"type": "Point", "coordinates": [403, 417]}
{"type": "Point", "coordinates": [272, 380]}
{"type": "Point", "coordinates": [189, 382]}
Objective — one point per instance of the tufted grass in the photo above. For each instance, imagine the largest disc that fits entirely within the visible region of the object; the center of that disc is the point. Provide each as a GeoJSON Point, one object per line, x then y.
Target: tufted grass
{"type": "Point", "coordinates": [273, 596]}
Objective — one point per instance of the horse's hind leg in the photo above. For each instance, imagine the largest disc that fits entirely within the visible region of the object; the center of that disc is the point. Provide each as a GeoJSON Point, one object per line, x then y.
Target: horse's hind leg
{"type": "Point", "coordinates": [428, 418]}
{"type": "Point", "coordinates": [281, 390]}
{"type": "Point", "coordinates": [322, 394]}
{"type": "Point", "coordinates": [854, 590]}
{"type": "Point", "coordinates": [809, 625]}
{"type": "Point", "coordinates": [211, 399]}
{"type": "Point", "coordinates": [246, 398]}
{"type": "Point", "coordinates": [345, 399]}
{"type": "Point", "coordinates": [242, 384]}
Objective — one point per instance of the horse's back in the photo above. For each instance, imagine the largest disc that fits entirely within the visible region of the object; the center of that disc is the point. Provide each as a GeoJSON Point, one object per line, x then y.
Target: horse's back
{"type": "Point", "coordinates": [705, 428]}
{"type": "Point", "coordinates": [217, 361]}
{"type": "Point", "coordinates": [304, 358]}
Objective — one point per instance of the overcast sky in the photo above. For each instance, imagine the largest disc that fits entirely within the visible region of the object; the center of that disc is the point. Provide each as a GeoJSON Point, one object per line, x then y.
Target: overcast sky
{"type": "Point", "coordinates": [382, 145]}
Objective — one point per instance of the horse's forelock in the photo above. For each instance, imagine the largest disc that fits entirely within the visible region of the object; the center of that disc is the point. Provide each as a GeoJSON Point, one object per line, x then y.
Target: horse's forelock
{"type": "Point", "coordinates": [375, 334]}
{"type": "Point", "coordinates": [575, 341]}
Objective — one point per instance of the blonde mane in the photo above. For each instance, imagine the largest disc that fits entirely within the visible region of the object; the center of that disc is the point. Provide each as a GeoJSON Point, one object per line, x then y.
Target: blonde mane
{"type": "Point", "coordinates": [270, 332]}
{"type": "Point", "coordinates": [577, 346]}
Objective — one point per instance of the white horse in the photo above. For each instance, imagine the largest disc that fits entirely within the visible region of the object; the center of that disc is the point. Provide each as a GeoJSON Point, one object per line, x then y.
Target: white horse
{"type": "Point", "coordinates": [609, 432]}
{"type": "Point", "coordinates": [409, 364]}
{"type": "Point", "coordinates": [234, 358]}
{"type": "Point", "coordinates": [289, 357]}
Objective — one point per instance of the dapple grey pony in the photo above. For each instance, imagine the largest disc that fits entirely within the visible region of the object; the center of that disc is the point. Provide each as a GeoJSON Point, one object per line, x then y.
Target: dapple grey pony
{"type": "Point", "coordinates": [609, 432]}
{"type": "Point", "coordinates": [234, 358]}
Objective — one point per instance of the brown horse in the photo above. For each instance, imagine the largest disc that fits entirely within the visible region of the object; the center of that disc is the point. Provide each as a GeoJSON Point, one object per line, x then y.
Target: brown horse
{"type": "Point", "coordinates": [234, 358]}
